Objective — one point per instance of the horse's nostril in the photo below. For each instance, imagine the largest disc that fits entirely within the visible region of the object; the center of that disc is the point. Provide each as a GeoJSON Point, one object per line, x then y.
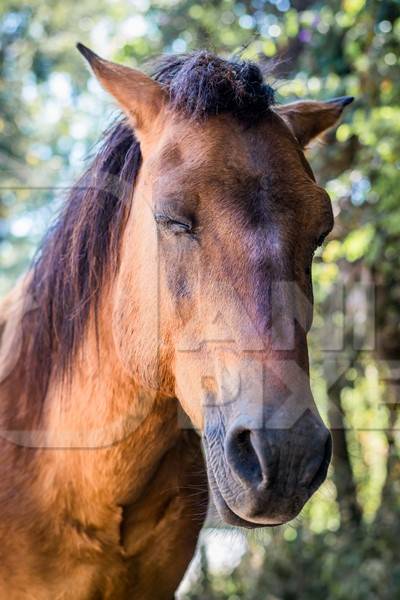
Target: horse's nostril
{"type": "Point", "coordinates": [277, 459]}
{"type": "Point", "coordinates": [244, 442]}
{"type": "Point", "coordinates": [242, 456]}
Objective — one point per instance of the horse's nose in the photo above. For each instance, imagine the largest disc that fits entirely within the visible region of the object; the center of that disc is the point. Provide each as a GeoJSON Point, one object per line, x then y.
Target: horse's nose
{"type": "Point", "coordinates": [251, 459]}
{"type": "Point", "coordinates": [262, 459]}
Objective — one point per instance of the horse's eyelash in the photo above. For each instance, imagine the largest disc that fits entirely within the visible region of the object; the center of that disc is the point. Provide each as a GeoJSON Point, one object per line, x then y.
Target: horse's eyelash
{"type": "Point", "coordinates": [163, 219]}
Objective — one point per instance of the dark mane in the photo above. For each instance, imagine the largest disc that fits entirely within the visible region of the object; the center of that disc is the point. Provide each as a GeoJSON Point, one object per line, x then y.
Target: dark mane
{"type": "Point", "coordinates": [82, 247]}
{"type": "Point", "coordinates": [202, 85]}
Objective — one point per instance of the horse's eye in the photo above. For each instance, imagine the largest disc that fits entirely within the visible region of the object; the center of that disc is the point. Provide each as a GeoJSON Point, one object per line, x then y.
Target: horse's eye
{"type": "Point", "coordinates": [320, 240]}
{"type": "Point", "coordinates": [172, 224]}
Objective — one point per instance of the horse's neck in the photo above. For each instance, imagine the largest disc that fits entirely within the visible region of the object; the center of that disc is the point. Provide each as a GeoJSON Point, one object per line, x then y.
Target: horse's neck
{"type": "Point", "coordinates": [110, 435]}
{"type": "Point", "coordinates": [121, 487]}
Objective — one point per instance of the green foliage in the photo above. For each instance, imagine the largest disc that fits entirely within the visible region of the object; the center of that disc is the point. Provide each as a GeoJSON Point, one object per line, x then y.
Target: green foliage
{"type": "Point", "coordinates": [350, 564]}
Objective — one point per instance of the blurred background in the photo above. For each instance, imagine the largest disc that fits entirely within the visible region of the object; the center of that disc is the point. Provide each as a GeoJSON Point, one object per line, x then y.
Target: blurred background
{"type": "Point", "coordinates": [346, 543]}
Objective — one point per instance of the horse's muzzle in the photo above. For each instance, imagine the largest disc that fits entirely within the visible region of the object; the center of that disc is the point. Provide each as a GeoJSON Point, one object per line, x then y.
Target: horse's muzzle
{"type": "Point", "coordinates": [265, 476]}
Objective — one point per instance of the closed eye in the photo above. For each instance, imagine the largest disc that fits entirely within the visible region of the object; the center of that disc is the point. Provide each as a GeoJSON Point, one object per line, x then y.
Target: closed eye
{"type": "Point", "coordinates": [319, 241]}
{"type": "Point", "coordinates": [172, 224]}
{"type": "Point", "coordinates": [317, 244]}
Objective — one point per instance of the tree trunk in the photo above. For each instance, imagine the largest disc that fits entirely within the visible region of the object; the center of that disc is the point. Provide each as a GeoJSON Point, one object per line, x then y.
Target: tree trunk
{"type": "Point", "coordinates": [343, 477]}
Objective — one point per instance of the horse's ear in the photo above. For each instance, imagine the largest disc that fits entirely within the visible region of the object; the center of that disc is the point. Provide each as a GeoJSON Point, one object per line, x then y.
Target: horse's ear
{"type": "Point", "coordinates": [308, 119]}
{"type": "Point", "coordinates": [140, 97]}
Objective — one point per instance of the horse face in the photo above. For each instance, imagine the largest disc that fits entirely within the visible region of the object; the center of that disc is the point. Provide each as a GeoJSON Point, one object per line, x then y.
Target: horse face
{"type": "Point", "coordinates": [238, 215]}
{"type": "Point", "coordinates": [214, 292]}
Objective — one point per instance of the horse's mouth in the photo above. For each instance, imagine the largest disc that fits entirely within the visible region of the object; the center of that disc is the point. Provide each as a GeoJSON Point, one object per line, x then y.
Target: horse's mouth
{"type": "Point", "coordinates": [228, 515]}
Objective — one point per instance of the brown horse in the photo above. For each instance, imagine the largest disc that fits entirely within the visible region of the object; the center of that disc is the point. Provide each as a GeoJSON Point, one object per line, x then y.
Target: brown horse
{"type": "Point", "coordinates": [177, 277]}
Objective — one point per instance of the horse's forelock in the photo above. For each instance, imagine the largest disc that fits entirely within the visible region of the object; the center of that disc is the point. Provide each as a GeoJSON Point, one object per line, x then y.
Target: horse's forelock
{"type": "Point", "coordinates": [201, 84]}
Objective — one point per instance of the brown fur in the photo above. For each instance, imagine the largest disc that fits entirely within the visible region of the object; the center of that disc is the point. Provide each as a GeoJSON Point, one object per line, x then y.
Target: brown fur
{"type": "Point", "coordinates": [102, 493]}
